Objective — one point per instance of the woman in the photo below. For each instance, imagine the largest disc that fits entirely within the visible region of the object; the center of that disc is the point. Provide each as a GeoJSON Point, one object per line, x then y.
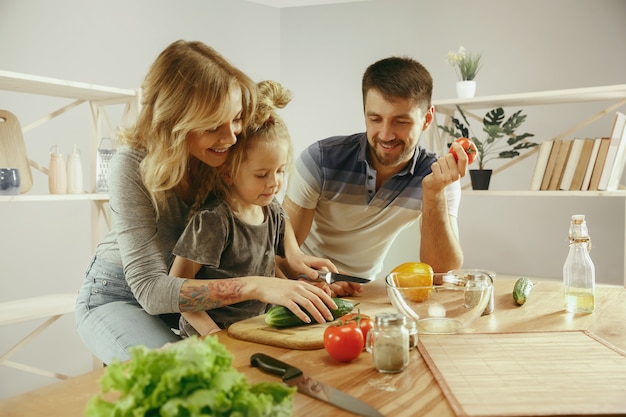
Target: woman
{"type": "Point", "coordinates": [194, 104]}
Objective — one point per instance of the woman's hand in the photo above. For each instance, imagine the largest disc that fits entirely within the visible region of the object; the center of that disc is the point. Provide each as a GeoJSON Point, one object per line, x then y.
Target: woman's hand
{"type": "Point", "coordinates": [297, 296]}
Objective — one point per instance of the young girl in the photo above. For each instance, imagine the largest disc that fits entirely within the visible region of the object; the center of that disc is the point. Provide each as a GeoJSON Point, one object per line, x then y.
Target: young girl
{"type": "Point", "coordinates": [239, 232]}
{"type": "Point", "coordinates": [194, 104]}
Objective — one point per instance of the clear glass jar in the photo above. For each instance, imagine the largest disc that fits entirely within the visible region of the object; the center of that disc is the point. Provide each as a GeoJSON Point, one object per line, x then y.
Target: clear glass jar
{"type": "Point", "coordinates": [411, 327]}
{"type": "Point", "coordinates": [388, 342]}
{"type": "Point", "coordinates": [579, 274]}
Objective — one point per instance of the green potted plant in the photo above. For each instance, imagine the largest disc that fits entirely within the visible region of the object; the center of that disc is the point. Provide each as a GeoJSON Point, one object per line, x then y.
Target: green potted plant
{"type": "Point", "coordinates": [501, 141]}
{"type": "Point", "coordinates": [466, 66]}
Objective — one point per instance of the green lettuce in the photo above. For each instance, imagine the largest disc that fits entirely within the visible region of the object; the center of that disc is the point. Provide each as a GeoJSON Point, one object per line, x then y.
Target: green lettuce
{"type": "Point", "coordinates": [193, 377]}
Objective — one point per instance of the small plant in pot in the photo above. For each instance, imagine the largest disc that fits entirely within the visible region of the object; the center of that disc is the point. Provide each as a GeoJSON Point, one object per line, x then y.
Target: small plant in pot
{"type": "Point", "coordinates": [501, 141]}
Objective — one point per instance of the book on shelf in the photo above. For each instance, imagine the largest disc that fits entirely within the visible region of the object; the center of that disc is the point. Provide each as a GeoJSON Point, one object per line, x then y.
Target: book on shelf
{"type": "Point", "coordinates": [599, 164]}
{"type": "Point", "coordinates": [540, 166]}
{"type": "Point", "coordinates": [571, 163]}
{"type": "Point", "coordinates": [559, 165]}
{"type": "Point", "coordinates": [547, 175]}
{"type": "Point", "coordinates": [591, 164]}
{"type": "Point", "coordinates": [581, 166]}
{"type": "Point", "coordinates": [616, 156]}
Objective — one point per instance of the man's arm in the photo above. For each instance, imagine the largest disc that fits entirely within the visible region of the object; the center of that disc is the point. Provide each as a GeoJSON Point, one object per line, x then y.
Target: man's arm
{"type": "Point", "coordinates": [440, 246]}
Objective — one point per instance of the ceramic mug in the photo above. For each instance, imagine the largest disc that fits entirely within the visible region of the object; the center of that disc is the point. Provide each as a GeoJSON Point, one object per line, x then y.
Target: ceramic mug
{"type": "Point", "coordinates": [9, 181]}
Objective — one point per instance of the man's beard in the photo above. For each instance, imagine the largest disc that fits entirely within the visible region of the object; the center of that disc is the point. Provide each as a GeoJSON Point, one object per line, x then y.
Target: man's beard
{"type": "Point", "coordinates": [389, 160]}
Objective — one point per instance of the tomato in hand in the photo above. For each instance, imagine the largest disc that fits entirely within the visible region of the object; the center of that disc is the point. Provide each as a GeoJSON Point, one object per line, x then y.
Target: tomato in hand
{"type": "Point", "coordinates": [468, 146]}
{"type": "Point", "coordinates": [343, 341]}
{"type": "Point", "coordinates": [363, 321]}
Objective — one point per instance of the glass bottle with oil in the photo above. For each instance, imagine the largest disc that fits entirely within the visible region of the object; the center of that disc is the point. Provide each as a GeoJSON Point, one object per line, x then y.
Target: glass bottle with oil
{"type": "Point", "coordinates": [579, 274]}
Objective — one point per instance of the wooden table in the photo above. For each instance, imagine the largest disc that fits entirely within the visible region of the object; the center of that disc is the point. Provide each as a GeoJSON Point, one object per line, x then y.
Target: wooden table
{"type": "Point", "coordinates": [413, 392]}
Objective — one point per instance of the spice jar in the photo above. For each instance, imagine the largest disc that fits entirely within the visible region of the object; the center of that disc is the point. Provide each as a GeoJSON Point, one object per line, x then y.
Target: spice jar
{"type": "Point", "coordinates": [388, 342]}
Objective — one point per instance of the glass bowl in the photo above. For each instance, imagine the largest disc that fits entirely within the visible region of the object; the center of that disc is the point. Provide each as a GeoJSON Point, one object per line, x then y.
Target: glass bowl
{"type": "Point", "coordinates": [449, 306]}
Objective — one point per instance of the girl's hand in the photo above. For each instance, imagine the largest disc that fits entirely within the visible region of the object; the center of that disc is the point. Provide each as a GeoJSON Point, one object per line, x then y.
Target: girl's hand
{"type": "Point", "coordinates": [300, 264]}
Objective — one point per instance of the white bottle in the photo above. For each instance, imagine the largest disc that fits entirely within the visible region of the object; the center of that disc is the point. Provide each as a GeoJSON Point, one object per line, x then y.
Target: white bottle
{"type": "Point", "coordinates": [579, 274]}
{"type": "Point", "coordinates": [57, 177]}
{"type": "Point", "coordinates": [74, 172]}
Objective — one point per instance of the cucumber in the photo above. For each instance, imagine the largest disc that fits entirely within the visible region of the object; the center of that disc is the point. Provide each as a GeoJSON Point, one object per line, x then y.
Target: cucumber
{"type": "Point", "coordinates": [521, 290]}
{"type": "Point", "coordinates": [279, 316]}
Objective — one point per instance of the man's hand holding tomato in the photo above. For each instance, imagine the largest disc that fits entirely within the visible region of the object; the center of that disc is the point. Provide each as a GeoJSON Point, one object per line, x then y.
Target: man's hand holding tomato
{"type": "Point", "coordinates": [449, 168]}
{"type": "Point", "coordinates": [468, 146]}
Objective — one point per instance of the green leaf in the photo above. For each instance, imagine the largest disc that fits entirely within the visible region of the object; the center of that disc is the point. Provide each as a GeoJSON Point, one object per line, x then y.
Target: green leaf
{"type": "Point", "coordinates": [494, 117]}
{"type": "Point", "coordinates": [192, 377]}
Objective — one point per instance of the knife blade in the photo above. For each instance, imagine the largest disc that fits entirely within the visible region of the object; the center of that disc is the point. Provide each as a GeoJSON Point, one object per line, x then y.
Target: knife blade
{"type": "Point", "coordinates": [334, 276]}
{"type": "Point", "coordinates": [294, 377]}
{"type": "Point", "coordinates": [330, 277]}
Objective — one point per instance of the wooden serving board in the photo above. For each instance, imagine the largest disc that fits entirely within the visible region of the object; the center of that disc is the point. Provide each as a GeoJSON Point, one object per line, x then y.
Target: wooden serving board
{"type": "Point", "coordinates": [521, 374]}
{"type": "Point", "coordinates": [307, 337]}
{"type": "Point", "coordinates": [13, 150]}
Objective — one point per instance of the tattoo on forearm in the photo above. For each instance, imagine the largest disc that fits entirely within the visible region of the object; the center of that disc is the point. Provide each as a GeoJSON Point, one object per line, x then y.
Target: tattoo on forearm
{"type": "Point", "coordinates": [201, 294]}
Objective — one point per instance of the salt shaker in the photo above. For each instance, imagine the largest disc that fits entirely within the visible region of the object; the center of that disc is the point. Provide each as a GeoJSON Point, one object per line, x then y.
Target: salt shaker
{"type": "Point", "coordinates": [388, 342]}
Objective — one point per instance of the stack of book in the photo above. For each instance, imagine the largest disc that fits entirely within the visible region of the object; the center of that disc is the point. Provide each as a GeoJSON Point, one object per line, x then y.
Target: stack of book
{"type": "Point", "coordinates": [582, 163]}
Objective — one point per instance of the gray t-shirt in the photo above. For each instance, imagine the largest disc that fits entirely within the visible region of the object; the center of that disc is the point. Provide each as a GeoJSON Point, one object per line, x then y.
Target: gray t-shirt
{"type": "Point", "coordinates": [138, 241]}
{"type": "Point", "coordinates": [228, 247]}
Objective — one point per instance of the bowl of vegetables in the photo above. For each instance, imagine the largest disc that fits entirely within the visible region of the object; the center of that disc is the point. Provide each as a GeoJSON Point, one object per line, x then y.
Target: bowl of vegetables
{"type": "Point", "coordinates": [450, 305]}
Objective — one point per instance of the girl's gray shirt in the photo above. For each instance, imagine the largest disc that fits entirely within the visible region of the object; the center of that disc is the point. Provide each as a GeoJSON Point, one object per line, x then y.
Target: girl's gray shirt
{"type": "Point", "coordinates": [139, 242]}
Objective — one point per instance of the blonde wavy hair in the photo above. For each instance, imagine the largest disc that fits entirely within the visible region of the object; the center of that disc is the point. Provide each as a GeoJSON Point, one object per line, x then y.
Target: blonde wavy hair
{"type": "Point", "coordinates": [184, 90]}
{"type": "Point", "coordinates": [266, 128]}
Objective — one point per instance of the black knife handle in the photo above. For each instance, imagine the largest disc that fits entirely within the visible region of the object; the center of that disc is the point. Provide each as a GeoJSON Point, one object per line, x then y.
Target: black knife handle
{"type": "Point", "coordinates": [274, 366]}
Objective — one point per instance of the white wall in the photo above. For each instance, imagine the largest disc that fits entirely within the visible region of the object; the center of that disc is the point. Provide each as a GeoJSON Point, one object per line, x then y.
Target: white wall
{"type": "Point", "coordinates": [320, 53]}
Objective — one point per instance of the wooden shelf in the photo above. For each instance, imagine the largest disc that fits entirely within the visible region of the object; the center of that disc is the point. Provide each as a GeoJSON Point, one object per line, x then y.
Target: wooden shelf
{"type": "Point", "coordinates": [526, 193]}
{"type": "Point", "coordinates": [574, 95]}
{"type": "Point", "coordinates": [53, 197]}
{"type": "Point", "coordinates": [25, 83]}
{"type": "Point", "coordinates": [98, 98]}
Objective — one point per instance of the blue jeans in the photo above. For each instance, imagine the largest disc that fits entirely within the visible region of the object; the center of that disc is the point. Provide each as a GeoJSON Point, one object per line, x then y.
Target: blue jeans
{"type": "Point", "coordinates": [110, 320]}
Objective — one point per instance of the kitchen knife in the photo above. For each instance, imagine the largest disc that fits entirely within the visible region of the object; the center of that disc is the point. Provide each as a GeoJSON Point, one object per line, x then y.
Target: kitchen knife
{"type": "Point", "coordinates": [331, 277]}
{"type": "Point", "coordinates": [294, 377]}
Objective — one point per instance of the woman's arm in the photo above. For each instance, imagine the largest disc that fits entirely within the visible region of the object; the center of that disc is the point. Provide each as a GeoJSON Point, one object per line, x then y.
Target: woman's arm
{"type": "Point", "coordinates": [297, 296]}
{"type": "Point", "coordinates": [199, 320]}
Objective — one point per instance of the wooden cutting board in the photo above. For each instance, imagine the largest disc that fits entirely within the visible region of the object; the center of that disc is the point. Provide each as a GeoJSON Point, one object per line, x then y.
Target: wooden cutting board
{"type": "Point", "coordinates": [13, 150]}
{"type": "Point", "coordinates": [521, 374]}
{"type": "Point", "coordinates": [306, 337]}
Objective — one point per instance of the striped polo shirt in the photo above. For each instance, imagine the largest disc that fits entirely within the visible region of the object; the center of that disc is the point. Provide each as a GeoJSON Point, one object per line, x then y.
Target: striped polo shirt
{"type": "Point", "coordinates": [355, 225]}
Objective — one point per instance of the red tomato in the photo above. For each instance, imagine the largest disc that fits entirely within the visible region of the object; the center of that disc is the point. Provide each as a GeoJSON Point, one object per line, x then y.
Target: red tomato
{"type": "Point", "coordinates": [343, 342]}
{"type": "Point", "coordinates": [364, 322]}
{"type": "Point", "coordinates": [468, 146]}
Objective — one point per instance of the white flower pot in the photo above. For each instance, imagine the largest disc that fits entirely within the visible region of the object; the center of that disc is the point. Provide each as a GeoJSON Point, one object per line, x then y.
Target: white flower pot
{"type": "Point", "coordinates": [465, 89]}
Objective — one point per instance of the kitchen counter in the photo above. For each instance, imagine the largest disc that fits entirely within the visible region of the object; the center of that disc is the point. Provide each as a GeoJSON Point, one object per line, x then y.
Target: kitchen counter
{"type": "Point", "coordinates": [414, 392]}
